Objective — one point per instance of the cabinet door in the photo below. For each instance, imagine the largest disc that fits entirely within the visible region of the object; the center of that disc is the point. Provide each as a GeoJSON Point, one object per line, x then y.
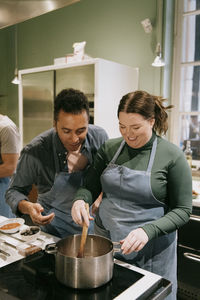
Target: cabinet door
{"type": "Point", "coordinates": [112, 81]}
{"type": "Point", "coordinates": [188, 234]}
{"type": "Point", "coordinates": [189, 259]}
{"type": "Point", "coordinates": [38, 95]}
{"type": "Point", "coordinates": [104, 82]}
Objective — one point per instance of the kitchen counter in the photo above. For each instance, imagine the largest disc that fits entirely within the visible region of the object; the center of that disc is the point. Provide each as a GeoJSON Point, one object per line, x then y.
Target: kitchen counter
{"type": "Point", "coordinates": [196, 188]}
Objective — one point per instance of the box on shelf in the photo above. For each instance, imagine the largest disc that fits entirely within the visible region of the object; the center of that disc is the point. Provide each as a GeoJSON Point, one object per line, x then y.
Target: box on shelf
{"type": "Point", "coordinates": [60, 60]}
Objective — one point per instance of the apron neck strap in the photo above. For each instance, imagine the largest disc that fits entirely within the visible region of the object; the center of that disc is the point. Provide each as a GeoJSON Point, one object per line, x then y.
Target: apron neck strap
{"type": "Point", "coordinates": [152, 156]}
{"type": "Point", "coordinates": [118, 152]}
{"type": "Point", "coordinates": [56, 160]}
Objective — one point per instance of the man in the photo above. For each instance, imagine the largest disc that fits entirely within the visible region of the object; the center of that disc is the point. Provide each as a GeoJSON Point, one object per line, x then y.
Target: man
{"type": "Point", "coordinates": [9, 154]}
{"type": "Point", "coordinates": [55, 162]}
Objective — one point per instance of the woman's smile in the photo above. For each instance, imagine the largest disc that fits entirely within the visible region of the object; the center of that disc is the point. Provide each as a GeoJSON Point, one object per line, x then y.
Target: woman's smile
{"type": "Point", "coordinates": [135, 129]}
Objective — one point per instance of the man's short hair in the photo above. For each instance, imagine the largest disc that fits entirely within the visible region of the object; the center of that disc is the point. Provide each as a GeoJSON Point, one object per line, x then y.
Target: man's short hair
{"type": "Point", "coordinates": [70, 101]}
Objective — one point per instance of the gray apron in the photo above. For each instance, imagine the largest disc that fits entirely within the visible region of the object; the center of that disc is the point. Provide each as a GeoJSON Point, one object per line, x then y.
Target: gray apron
{"type": "Point", "coordinates": [59, 200]}
{"type": "Point", "coordinates": [128, 203]}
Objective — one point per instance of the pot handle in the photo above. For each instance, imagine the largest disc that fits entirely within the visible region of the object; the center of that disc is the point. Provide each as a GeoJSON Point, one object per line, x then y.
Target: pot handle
{"type": "Point", "coordinates": [116, 246]}
{"type": "Point", "coordinates": [51, 248]}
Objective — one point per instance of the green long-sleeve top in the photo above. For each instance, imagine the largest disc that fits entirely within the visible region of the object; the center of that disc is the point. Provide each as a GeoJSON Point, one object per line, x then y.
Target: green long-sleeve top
{"type": "Point", "coordinates": [171, 180]}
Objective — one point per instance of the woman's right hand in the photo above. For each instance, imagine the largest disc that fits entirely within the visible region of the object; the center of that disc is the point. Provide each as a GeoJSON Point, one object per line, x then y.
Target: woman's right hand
{"type": "Point", "coordinates": [79, 213]}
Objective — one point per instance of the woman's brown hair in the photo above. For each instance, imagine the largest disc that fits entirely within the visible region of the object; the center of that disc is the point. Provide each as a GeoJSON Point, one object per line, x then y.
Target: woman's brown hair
{"type": "Point", "coordinates": [147, 105]}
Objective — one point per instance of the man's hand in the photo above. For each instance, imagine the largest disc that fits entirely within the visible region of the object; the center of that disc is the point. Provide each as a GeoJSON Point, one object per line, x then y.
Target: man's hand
{"type": "Point", "coordinates": [134, 241]}
{"type": "Point", "coordinates": [79, 213]}
{"type": "Point", "coordinates": [34, 210]}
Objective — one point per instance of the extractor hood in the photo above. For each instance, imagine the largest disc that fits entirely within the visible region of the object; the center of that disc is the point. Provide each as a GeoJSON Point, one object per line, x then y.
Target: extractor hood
{"type": "Point", "coordinates": [16, 11]}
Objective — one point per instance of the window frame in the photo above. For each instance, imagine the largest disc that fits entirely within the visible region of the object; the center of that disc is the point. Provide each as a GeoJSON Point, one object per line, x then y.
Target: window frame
{"type": "Point", "coordinates": [176, 114]}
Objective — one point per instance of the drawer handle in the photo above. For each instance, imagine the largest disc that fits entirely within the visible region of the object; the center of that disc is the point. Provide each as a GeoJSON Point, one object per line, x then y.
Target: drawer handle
{"type": "Point", "coordinates": [192, 256]}
{"type": "Point", "coordinates": [195, 218]}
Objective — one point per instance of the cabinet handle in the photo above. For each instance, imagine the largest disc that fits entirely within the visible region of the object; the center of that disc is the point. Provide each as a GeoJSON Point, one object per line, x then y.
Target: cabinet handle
{"type": "Point", "coordinates": [192, 256]}
{"type": "Point", "coordinates": [188, 248]}
{"type": "Point", "coordinates": [195, 218]}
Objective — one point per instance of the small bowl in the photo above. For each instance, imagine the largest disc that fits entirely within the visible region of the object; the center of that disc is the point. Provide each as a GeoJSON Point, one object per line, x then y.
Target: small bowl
{"type": "Point", "coordinates": [30, 233]}
{"type": "Point", "coordinates": [195, 195]}
{"type": "Point", "coordinates": [11, 225]}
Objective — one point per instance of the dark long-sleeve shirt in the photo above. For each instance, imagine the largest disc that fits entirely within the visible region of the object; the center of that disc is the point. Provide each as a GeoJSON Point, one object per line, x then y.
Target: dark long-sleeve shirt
{"type": "Point", "coordinates": [37, 163]}
{"type": "Point", "coordinates": [171, 180]}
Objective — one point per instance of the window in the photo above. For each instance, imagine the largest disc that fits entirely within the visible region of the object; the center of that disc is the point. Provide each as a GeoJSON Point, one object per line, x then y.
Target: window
{"type": "Point", "coordinates": [186, 76]}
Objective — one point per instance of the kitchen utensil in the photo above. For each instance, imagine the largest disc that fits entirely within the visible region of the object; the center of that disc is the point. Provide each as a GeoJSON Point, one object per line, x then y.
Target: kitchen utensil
{"type": "Point", "coordinates": [94, 270]}
{"type": "Point", "coordinates": [84, 235]}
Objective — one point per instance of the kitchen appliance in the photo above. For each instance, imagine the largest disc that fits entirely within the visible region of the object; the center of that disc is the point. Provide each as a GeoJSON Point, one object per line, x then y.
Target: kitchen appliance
{"type": "Point", "coordinates": [99, 80]}
{"type": "Point", "coordinates": [189, 258]}
{"type": "Point", "coordinates": [33, 278]}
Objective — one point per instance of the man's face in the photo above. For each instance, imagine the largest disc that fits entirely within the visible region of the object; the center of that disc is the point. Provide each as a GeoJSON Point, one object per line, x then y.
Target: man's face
{"type": "Point", "coordinates": [72, 129]}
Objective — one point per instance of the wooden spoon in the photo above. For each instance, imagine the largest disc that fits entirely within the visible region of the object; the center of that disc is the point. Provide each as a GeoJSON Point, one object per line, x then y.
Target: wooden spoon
{"type": "Point", "coordinates": [83, 236]}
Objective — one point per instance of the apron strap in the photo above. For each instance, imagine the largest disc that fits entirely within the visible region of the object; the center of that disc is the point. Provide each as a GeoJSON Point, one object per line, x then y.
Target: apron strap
{"type": "Point", "coordinates": [118, 152]}
{"type": "Point", "coordinates": [56, 160]}
{"type": "Point", "coordinates": [152, 156]}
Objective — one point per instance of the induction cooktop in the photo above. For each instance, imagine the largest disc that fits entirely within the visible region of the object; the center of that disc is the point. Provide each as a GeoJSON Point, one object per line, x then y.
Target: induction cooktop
{"type": "Point", "coordinates": [33, 278]}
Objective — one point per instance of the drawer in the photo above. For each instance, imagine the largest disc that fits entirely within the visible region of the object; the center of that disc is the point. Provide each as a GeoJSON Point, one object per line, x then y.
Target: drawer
{"type": "Point", "coordinates": [188, 273]}
{"type": "Point", "coordinates": [196, 210]}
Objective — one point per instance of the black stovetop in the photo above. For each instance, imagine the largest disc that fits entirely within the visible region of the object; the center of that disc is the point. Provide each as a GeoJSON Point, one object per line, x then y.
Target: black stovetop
{"type": "Point", "coordinates": [33, 278]}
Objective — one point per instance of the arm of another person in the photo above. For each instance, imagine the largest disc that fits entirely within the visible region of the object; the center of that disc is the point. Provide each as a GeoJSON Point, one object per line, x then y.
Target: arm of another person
{"type": "Point", "coordinates": [10, 148]}
{"type": "Point", "coordinates": [90, 190]}
{"type": "Point", "coordinates": [9, 163]}
{"type": "Point", "coordinates": [21, 184]}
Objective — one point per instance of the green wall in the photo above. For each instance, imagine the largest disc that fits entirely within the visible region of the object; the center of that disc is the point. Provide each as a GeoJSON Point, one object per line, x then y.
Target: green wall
{"type": "Point", "coordinates": [8, 91]}
{"type": "Point", "coordinates": [111, 28]}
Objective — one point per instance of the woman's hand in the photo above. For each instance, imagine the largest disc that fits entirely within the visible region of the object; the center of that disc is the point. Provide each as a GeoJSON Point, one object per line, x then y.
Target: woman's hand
{"type": "Point", "coordinates": [134, 241]}
{"type": "Point", "coordinates": [79, 213]}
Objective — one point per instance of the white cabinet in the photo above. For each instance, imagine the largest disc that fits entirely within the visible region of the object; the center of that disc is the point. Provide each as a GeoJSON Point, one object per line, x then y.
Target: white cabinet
{"type": "Point", "coordinates": [103, 81]}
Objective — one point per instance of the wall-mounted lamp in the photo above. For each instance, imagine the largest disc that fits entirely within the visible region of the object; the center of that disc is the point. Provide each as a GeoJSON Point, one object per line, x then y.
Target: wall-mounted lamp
{"type": "Point", "coordinates": [146, 24]}
{"type": "Point", "coordinates": [158, 61]}
{"type": "Point", "coordinates": [16, 79]}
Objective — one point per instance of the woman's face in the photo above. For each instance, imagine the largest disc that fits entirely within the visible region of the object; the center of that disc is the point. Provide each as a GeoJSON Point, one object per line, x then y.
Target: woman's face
{"type": "Point", "coordinates": [135, 130]}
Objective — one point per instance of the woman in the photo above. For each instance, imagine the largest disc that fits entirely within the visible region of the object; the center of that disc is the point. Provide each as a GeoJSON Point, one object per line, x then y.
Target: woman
{"type": "Point", "coordinates": [147, 188]}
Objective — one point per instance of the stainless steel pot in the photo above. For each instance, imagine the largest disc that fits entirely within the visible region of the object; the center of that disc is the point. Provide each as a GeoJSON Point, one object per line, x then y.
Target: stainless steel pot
{"type": "Point", "coordinates": [91, 271]}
